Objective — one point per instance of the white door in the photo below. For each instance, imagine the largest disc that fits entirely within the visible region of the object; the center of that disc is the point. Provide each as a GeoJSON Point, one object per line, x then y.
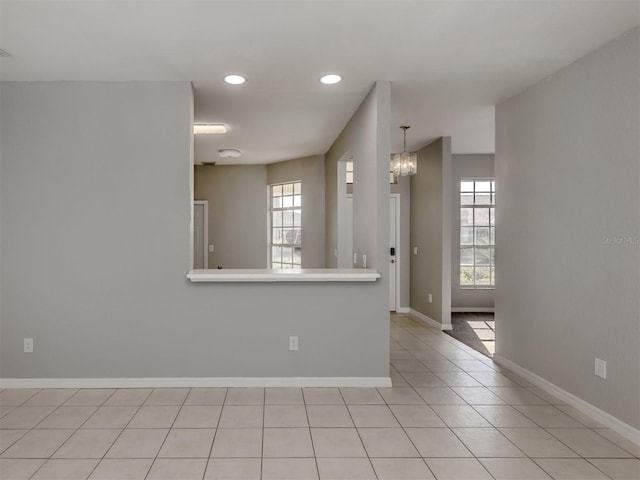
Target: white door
{"type": "Point", "coordinates": [200, 235]}
{"type": "Point", "coordinates": [393, 264]}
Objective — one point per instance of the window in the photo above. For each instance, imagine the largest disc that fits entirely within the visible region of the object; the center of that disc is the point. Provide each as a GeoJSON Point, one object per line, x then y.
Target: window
{"type": "Point", "coordinates": [477, 233]}
{"type": "Point", "coordinates": [286, 225]}
{"type": "Point", "coordinates": [349, 174]}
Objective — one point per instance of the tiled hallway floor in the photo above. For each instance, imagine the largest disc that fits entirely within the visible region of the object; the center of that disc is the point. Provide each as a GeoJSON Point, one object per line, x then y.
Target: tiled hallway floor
{"type": "Point", "coordinates": [452, 414]}
{"type": "Point", "coordinates": [477, 330]}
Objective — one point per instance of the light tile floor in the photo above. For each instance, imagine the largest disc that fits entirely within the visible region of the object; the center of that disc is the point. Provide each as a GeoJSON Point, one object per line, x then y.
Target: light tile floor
{"type": "Point", "coordinates": [452, 414]}
{"type": "Point", "coordinates": [476, 330]}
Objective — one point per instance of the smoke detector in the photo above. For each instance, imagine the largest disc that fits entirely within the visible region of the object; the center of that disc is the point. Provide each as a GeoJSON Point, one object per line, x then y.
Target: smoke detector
{"type": "Point", "coordinates": [229, 153]}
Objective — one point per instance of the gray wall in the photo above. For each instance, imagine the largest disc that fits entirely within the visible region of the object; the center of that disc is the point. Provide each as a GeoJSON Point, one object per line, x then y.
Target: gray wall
{"type": "Point", "coordinates": [370, 150]}
{"type": "Point", "coordinates": [431, 231]}
{"type": "Point", "coordinates": [310, 171]}
{"type": "Point", "coordinates": [95, 221]}
{"type": "Point", "coordinates": [568, 195]}
{"type": "Point", "coordinates": [371, 181]}
{"type": "Point", "coordinates": [238, 212]}
{"type": "Point", "coordinates": [466, 166]}
{"type": "Point", "coordinates": [403, 187]}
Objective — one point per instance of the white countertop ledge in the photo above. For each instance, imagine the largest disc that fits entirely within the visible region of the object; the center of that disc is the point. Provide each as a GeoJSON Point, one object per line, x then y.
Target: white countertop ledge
{"type": "Point", "coordinates": [301, 275]}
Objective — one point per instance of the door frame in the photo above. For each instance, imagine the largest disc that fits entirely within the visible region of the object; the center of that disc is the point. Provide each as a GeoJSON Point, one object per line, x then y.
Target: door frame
{"type": "Point", "coordinates": [398, 249]}
{"type": "Point", "coordinates": [205, 204]}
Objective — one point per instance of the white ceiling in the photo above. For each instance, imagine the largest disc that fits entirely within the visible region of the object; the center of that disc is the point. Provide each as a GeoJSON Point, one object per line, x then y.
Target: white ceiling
{"type": "Point", "coordinates": [450, 61]}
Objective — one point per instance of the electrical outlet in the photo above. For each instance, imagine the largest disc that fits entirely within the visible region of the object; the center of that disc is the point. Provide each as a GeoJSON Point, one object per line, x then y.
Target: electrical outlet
{"type": "Point", "coordinates": [601, 368]}
{"type": "Point", "coordinates": [28, 345]}
{"type": "Point", "coordinates": [293, 344]}
{"type": "Point", "coordinates": [430, 296]}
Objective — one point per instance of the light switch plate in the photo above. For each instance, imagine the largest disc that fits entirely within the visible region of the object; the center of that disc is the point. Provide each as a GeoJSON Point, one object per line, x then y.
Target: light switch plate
{"type": "Point", "coordinates": [601, 368]}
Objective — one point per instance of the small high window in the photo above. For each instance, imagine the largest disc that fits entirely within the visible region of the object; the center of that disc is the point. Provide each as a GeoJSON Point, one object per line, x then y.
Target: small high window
{"type": "Point", "coordinates": [349, 172]}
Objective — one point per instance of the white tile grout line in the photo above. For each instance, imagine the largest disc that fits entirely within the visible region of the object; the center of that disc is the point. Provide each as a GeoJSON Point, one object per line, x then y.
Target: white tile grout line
{"type": "Point", "coordinates": [215, 434]}
{"type": "Point", "coordinates": [169, 432]}
{"type": "Point", "coordinates": [264, 398]}
{"type": "Point", "coordinates": [358, 433]}
{"type": "Point", "coordinates": [313, 446]}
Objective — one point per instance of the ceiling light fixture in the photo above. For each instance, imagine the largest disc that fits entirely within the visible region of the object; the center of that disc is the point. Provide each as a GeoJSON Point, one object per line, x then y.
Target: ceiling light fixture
{"type": "Point", "coordinates": [404, 163]}
{"type": "Point", "coordinates": [209, 128]}
{"type": "Point", "coordinates": [229, 153]}
{"type": "Point", "coordinates": [235, 79]}
{"type": "Point", "coordinates": [331, 79]}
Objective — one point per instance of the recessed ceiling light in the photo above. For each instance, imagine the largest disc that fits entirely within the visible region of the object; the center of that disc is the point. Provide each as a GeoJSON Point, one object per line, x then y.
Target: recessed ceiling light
{"type": "Point", "coordinates": [209, 128]}
{"type": "Point", "coordinates": [331, 79]}
{"type": "Point", "coordinates": [235, 79]}
{"type": "Point", "coordinates": [229, 153]}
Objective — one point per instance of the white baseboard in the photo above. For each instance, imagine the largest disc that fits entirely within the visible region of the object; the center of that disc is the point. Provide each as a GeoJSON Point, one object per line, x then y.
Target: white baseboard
{"type": "Point", "coordinates": [430, 321]}
{"type": "Point", "coordinates": [473, 310]}
{"type": "Point", "coordinates": [403, 310]}
{"type": "Point", "coordinates": [608, 420]}
{"type": "Point", "coordinates": [195, 382]}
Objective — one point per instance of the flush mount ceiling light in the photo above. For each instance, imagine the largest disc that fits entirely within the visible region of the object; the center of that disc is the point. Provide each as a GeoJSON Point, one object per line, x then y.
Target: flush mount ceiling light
{"type": "Point", "coordinates": [235, 79]}
{"type": "Point", "coordinates": [331, 79]}
{"type": "Point", "coordinates": [229, 153]}
{"type": "Point", "coordinates": [209, 128]}
{"type": "Point", "coordinates": [404, 163]}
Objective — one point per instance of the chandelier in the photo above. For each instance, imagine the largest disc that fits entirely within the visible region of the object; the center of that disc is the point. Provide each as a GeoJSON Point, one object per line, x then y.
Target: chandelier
{"type": "Point", "coordinates": [404, 163]}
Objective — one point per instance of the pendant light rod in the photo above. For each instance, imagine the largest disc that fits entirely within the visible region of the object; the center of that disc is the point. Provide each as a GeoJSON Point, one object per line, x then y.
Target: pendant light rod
{"type": "Point", "coordinates": [404, 130]}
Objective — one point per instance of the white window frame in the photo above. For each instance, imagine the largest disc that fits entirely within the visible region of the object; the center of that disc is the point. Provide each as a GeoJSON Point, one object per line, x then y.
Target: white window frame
{"type": "Point", "coordinates": [475, 245]}
{"type": "Point", "coordinates": [295, 230]}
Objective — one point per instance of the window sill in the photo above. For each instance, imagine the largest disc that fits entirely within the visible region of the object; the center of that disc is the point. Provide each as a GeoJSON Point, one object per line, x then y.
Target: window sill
{"type": "Point", "coordinates": [478, 288]}
{"type": "Point", "coordinates": [302, 275]}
